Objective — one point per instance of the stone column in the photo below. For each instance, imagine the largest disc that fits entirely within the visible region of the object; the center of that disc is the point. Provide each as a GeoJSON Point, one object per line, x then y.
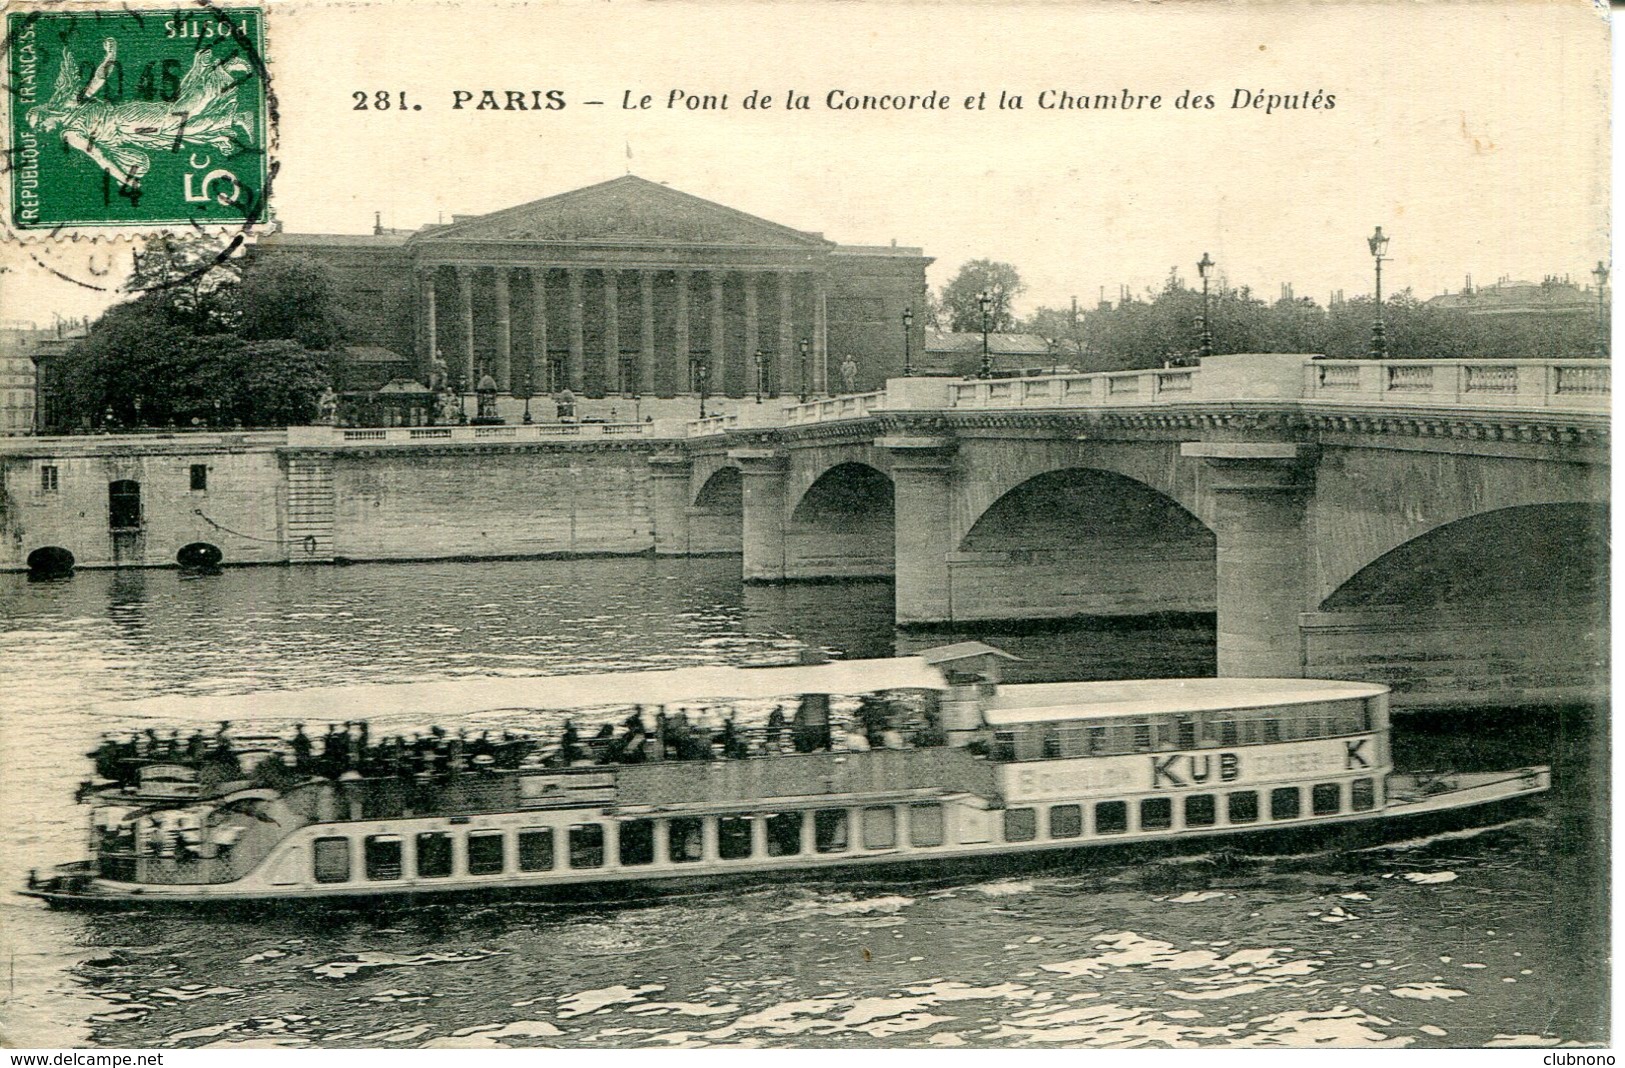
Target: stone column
{"type": "Point", "coordinates": [922, 486]}
{"type": "Point", "coordinates": [612, 330]}
{"type": "Point", "coordinates": [465, 300]}
{"type": "Point", "coordinates": [669, 474]}
{"type": "Point", "coordinates": [1259, 495]}
{"type": "Point", "coordinates": [538, 330]}
{"type": "Point", "coordinates": [719, 351]}
{"type": "Point", "coordinates": [680, 337]}
{"type": "Point", "coordinates": [820, 337]}
{"type": "Point", "coordinates": [753, 329]}
{"type": "Point", "coordinates": [575, 370]}
{"type": "Point", "coordinates": [646, 337]}
{"type": "Point", "coordinates": [504, 323]}
{"type": "Point", "coordinates": [783, 376]}
{"type": "Point", "coordinates": [764, 475]}
{"type": "Point", "coordinates": [430, 332]}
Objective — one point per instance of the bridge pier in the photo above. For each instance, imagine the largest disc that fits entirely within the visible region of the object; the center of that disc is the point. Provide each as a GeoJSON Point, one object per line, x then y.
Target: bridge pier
{"type": "Point", "coordinates": [1260, 491]}
{"type": "Point", "coordinates": [669, 474]}
{"type": "Point", "coordinates": [765, 477]}
{"type": "Point", "coordinates": [922, 481]}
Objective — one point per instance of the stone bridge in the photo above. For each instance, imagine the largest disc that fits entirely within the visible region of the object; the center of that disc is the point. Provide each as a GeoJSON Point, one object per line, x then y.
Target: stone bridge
{"type": "Point", "coordinates": [1441, 525]}
{"type": "Point", "coordinates": [1438, 525]}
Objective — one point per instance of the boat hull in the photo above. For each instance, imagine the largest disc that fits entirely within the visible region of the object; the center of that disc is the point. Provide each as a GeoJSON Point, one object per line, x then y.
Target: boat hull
{"type": "Point", "coordinates": [1424, 817]}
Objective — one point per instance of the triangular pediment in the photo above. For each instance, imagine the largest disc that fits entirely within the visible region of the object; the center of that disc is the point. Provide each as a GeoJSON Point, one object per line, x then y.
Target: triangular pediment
{"type": "Point", "coordinates": [626, 211]}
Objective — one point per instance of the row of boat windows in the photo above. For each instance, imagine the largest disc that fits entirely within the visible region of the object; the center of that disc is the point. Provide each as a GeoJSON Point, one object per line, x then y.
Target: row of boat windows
{"type": "Point", "coordinates": [1197, 810]}
{"type": "Point", "coordinates": [536, 849]}
{"type": "Point", "coordinates": [1186, 730]}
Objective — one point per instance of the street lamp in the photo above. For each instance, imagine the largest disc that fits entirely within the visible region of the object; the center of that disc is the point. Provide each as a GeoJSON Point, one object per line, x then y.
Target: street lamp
{"type": "Point", "coordinates": [702, 371]}
{"type": "Point", "coordinates": [529, 389]}
{"type": "Point", "coordinates": [985, 301]}
{"type": "Point", "coordinates": [761, 364]}
{"type": "Point", "coordinates": [1601, 275]}
{"type": "Point", "coordinates": [1203, 267]}
{"type": "Point", "coordinates": [1378, 243]}
{"type": "Point", "coordinates": [805, 345]}
{"type": "Point", "coordinates": [908, 336]}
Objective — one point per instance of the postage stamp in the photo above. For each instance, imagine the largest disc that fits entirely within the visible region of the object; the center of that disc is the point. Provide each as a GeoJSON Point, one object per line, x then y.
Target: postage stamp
{"type": "Point", "coordinates": [136, 118]}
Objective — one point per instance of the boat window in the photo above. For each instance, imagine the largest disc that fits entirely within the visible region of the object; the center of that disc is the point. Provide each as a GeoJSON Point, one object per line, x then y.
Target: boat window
{"type": "Point", "coordinates": [830, 830]}
{"type": "Point", "coordinates": [1111, 817]}
{"type": "Point", "coordinates": [733, 837]}
{"type": "Point", "coordinates": [587, 845]}
{"type": "Point", "coordinates": [1020, 824]}
{"type": "Point", "coordinates": [1187, 733]}
{"type": "Point", "coordinates": [1072, 741]}
{"type": "Point", "coordinates": [1227, 731]}
{"type": "Point", "coordinates": [1052, 742]}
{"type": "Point", "coordinates": [1242, 806]}
{"type": "Point", "coordinates": [1284, 803]}
{"type": "Point", "coordinates": [1142, 737]}
{"type": "Point", "coordinates": [925, 824]}
{"type": "Point", "coordinates": [1326, 798]}
{"type": "Point", "coordinates": [783, 834]}
{"type": "Point", "coordinates": [1065, 821]}
{"type": "Point", "coordinates": [637, 842]}
{"type": "Point", "coordinates": [536, 849]}
{"type": "Point", "coordinates": [1097, 740]}
{"type": "Point", "coordinates": [1199, 810]}
{"type": "Point", "coordinates": [332, 856]}
{"type": "Point", "coordinates": [382, 856]}
{"type": "Point", "coordinates": [879, 827]}
{"type": "Point", "coordinates": [434, 854]}
{"type": "Point", "coordinates": [685, 839]}
{"type": "Point", "coordinates": [1004, 745]}
{"type": "Point", "coordinates": [486, 853]}
{"type": "Point", "coordinates": [1156, 814]}
{"type": "Point", "coordinates": [1363, 795]}
{"type": "Point", "coordinates": [1272, 729]}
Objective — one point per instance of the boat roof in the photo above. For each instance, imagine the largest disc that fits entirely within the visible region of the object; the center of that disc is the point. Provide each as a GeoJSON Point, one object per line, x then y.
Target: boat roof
{"type": "Point", "coordinates": [1047, 702]}
{"type": "Point", "coordinates": [474, 695]}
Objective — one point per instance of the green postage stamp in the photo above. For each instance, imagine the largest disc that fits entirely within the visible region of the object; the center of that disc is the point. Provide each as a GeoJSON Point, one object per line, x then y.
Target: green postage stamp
{"type": "Point", "coordinates": [136, 117]}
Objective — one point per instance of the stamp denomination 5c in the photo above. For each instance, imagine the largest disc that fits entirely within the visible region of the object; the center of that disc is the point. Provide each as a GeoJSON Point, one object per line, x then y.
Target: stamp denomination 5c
{"type": "Point", "coordinates": [136, 118]}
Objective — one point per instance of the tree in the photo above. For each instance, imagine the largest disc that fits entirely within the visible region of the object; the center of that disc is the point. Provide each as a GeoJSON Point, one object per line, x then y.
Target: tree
{"type": "Point", "coordinates": [204, 341]}
{"type": "Point", "coordinates": [191, 277]}
{"type": "Point", "coordinates": [290, 298]}
{"type": "Point", "coordinates": [960, 297]}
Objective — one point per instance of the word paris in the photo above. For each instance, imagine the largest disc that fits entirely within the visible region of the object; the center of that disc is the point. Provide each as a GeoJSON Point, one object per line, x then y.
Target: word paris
{"type": "Point", "coordinates": [842, 100]}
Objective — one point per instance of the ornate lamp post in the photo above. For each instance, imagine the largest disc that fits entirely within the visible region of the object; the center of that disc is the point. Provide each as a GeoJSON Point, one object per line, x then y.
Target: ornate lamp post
{"type": "Point", "coordinates": [527, 386]}
{"type": "Point", "coordinates": [805, 345]}
{"type": "Point", "coordinates": [1378, 243]}
{"type": "Point", "coordinates": [908, 337]}
{"type": "Point", "coordinates": [702, 371]}
{"type": "Point", "coordinates": [761, 368]}
{"type": "Point", "coordinates": [1203, 266]}
{"type": "Point", "coordinates": [984, 300]}
{"type": "Point", "coordinates": [1601, 275]}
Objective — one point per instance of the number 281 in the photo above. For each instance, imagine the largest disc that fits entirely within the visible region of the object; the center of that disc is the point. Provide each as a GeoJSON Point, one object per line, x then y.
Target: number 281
{"type": "Point", "coordinates": [382, 100]}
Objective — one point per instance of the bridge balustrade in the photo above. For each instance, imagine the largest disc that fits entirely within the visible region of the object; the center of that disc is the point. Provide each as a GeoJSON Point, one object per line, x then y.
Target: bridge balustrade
{"type": "Point", "coordinates": [327, 436]}
{"type": "Point", "coordinates": [1484, 383]}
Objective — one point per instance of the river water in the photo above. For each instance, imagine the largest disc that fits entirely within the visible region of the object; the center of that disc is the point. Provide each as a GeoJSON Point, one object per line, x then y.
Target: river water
{"type": "Point", "coordinates": [1493, 937]}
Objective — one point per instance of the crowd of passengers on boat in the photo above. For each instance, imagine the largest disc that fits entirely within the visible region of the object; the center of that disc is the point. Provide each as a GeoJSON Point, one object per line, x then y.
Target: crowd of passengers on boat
{"type": "Point", "coordinates": [440, 755]}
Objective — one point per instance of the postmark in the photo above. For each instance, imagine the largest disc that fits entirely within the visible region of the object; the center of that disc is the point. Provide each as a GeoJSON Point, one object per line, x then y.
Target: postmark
{"type": "Point", "coordinates": [136, 120]}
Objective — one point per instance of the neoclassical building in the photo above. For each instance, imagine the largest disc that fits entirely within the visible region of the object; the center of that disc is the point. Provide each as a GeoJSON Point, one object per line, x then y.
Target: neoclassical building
{"type": "Point", "coordinates": [627, 287]}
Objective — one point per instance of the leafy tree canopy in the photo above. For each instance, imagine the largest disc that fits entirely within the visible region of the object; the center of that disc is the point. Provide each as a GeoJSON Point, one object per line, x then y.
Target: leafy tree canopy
{"type": "Point", "coordinates": [960, 300]}
{"type": "Point", "coordinates": [204, 339]}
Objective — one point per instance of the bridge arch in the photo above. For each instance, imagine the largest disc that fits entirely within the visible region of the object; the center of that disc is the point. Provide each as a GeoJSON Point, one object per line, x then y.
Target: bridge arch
{"type": "Point", "coordinates": [843, 525]}
{"type": "Point", "coordinates": [1508, 604]}
{"type": "Point", "coordinates": [716, 515]}
{"type": "Point", "coordinates": [1082, 541]}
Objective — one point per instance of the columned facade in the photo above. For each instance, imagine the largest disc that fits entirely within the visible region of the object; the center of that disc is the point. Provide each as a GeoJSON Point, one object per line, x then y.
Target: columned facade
{"type": "Point", "coordinates": [625, 288]}
{"type": "Point", "coordinates": [547, 328]}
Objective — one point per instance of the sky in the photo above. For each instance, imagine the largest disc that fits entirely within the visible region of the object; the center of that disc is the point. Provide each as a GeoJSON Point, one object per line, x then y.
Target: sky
{"type": "Point", "coordinates": [1474, 133]}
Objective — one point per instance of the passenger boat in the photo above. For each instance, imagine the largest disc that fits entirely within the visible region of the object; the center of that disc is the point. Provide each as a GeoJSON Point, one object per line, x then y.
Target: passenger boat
{"type": "Point", "coordinates": [952, 769]}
